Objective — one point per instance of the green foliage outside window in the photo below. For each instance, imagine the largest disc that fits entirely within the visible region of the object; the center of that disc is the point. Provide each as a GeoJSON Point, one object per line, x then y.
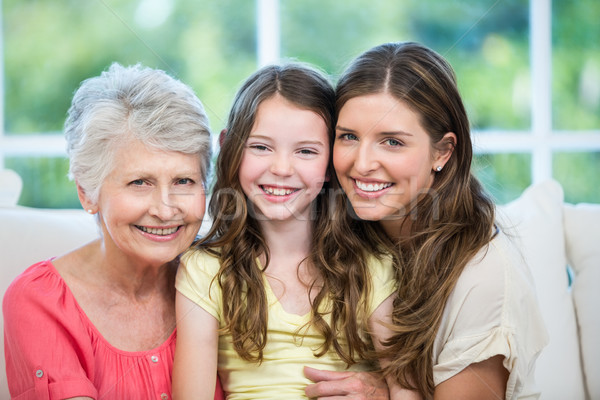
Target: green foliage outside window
{"type": "Point", "coordinates": [51, 46]}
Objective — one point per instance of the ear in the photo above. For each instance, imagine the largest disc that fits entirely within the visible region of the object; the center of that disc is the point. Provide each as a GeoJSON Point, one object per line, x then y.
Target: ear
{"type": "Point", "coordinates": [222, 136]}
{"type": "Point", "coordinates": [85, 201]}
{"type": "Point", "coordinates": [443, 151]}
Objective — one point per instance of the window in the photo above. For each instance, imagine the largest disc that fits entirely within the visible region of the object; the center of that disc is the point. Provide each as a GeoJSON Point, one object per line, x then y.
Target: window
{"type": "Point", "coordinates": [529, 72]}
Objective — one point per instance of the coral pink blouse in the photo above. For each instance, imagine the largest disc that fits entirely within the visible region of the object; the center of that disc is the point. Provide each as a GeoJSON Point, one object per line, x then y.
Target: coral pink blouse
{"type": "Point", "coordinates": [54, 352]}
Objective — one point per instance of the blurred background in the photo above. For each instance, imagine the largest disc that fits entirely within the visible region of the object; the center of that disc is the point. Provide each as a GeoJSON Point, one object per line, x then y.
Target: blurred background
{"type": "Point", "coordinates": [529, 71]}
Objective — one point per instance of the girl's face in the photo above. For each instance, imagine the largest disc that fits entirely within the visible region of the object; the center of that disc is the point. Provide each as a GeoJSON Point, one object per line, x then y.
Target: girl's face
{"type": "Point", "coordinates": [151, 205]}
{"type": "Point", "coordinates": [383, 157]}
{"type": "Point", "coordinates": [285, 159]}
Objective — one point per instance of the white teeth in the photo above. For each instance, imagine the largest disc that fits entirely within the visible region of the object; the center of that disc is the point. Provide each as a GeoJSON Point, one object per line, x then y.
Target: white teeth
{"type": "Point", "coordinates": [369, 187]}
{"type": "Point", "coordinates": [159, 231]}
{"type": "Point", "coordinates": [277, 191]}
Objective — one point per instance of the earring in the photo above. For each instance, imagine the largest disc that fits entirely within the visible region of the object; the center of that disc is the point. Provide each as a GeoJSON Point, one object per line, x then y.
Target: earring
{"type": "Point", "coordinates": [89, 210]}
{"type": "Point", "coordinates": [438, 168]}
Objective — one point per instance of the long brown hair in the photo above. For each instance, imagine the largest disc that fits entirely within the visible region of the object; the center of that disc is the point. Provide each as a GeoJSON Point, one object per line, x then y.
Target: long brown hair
{"type": "Point", "coordinates": [449, 224]}
{"type": "Point", "coordinates": [237, 240]}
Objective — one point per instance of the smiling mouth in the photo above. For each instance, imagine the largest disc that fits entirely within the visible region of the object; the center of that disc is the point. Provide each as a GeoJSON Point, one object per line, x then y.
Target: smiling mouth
{"type": "Point", "coordinates": [273, 191]}
{"type": "Point", "coordinates": [372, 187]}
{"type": "Point", "coordinates": [158, 231]}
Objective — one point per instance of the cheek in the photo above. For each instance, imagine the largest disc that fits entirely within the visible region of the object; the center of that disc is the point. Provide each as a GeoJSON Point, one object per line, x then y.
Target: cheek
{"type": "Point", "coordinates": [341, 159]}
{"type": "Point", "coordinates": [321, 174]}
{"type": "Point", "coordinates": [246, 172]}
{"type": "Point", "coordinates": [197, 208]}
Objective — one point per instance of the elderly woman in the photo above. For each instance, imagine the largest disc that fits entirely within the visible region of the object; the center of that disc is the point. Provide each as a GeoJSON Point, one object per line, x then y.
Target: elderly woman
{"type": "Point", "coordinates": [99, 321]}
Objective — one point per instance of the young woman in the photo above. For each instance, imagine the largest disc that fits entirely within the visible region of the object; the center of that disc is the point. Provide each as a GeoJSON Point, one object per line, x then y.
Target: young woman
{"type": "Point", "coordinates": [276, 285]}
{"type": "Point", "coordinates": [467, 323]}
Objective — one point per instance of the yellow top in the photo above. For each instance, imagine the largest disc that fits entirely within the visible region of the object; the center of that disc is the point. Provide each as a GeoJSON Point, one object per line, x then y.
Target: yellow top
{"type": "Point", "coordinates": [280, 375]}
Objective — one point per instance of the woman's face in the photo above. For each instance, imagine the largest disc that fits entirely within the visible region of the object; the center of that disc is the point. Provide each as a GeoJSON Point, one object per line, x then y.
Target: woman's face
{"type": "Point", "coordinates": [151, 205]}
{"type": "Point", "coordinates": [383, 157]}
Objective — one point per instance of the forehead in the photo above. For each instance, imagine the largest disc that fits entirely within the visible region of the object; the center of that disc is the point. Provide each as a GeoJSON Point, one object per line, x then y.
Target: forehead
{"type": "Point", "coordinates": [380, 112]}
{"type": "Point", "coordinates": [277, 118]}
{"type": "Point", "coordinates": [135, 157]}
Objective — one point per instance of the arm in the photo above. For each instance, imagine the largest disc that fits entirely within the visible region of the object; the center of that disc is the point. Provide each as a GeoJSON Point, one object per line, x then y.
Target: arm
{"type": "Point", "coordinates": [379, 323]}
{"type": "Point", "coordinates": [485, 380]}
{"type": "Point", "coordinates": [195, 365]}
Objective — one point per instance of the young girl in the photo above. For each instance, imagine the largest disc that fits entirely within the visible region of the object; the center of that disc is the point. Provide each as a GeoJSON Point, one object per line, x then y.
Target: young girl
{"type": "Point", "coordinates": [276, 284]}
{"type": "Point", "coordinates": [467, 318]}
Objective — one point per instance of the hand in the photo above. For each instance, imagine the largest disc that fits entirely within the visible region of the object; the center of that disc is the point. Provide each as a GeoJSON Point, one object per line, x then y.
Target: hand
{"type": "Point", "coordinates": [332, 385]}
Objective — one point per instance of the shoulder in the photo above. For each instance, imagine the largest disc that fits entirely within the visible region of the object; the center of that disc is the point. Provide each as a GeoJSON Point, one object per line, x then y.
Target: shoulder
{"type": "Point", "coordinates": [197, 271]}
{"type": "Point", "coordinates": [195, 260]}
{"type": "Point", "coordinates": [380, 266]}
{"type": "Point", "coordinates": [496, 275]}
{"type": "Point", "coordinates": [41, 315]}
{"type": "Point", "coordinates": [37, 284]}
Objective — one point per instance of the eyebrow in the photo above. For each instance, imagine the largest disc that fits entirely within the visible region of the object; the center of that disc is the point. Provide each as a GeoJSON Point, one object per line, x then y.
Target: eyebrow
{"type": "Point", "coordinates": [301, 142]}
{"type": "Point", "coordinates": [382, 133]}
{"type": "Point", "coordinates": [311, 142]}
{"type": "Point", "coordinates": [143, 173]}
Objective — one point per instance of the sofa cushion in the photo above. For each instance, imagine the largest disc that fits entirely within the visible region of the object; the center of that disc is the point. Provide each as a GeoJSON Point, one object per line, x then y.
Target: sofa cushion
{"type": "Point", "coordinates": [29, 235]}
{"type": "Point", "coordinates": [536, 222]}
{"type": "Point", "coordinates": [583, 254]}
{"type": "Point", "coordinates": [10, 187]}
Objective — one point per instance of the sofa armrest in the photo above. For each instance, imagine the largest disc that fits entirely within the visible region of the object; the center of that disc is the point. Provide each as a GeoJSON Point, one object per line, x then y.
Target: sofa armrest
{"type": "Point", "coordinates": [582, 238]}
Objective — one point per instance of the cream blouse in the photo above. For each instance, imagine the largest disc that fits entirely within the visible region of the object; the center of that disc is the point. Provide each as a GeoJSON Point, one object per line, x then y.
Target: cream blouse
{"type": "Point", "coordinates": [493, 310]}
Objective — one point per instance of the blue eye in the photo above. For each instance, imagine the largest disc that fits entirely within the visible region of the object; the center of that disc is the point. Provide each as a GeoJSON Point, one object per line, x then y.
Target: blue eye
{"type": "Point", "coordinates": [137, 182]}
{"type": "Point", "coordinates": [184, 181]}
{"type": "Point", "coordinates": [347, 136]}
{"type": "Point", "coordinates": [393, 142]}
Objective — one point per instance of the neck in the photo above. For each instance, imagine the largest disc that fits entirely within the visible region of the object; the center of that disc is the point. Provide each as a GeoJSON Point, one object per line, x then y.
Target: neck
{"type": "Point", "coordinates": [133, 278]}
{"type": "Point", "coordinates": [396, 228]}
{"type": "Point", "coordinates": [290, 237]}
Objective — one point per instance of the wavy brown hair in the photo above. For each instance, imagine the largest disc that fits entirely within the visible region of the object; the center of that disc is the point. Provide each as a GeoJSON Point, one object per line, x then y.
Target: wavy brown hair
{"type": "Point", "coordinates": [236, 237]}
{"type": "Point", "coordinates": [448, 225]}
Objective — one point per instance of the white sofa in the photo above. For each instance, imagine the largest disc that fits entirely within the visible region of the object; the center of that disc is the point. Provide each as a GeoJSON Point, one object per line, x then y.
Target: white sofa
{"type": "Point", "coordinates": [553, 235]}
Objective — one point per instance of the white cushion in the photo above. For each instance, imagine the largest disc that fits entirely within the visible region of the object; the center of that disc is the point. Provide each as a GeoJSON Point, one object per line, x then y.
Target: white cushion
{"type": "Point", "coordinates": [582, 223]}
{"type": "Point", "coordinates": [536, 221]}
{"type": "Point", "coordinates": [10, 187]}
{"type": "Point", "coordinates": [29, 235]}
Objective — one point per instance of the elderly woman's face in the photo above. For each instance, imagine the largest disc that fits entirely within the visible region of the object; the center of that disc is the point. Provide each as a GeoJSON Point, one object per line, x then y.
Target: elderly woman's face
{"type": "Point", "coordinates": [151, 205]}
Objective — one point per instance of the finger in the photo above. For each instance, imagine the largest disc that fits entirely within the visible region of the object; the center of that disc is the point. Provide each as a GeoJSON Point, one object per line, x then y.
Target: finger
{"type": "Point", "coordinates": [325, 390]}
{"type": "Point", "coordinates": [318, 375]}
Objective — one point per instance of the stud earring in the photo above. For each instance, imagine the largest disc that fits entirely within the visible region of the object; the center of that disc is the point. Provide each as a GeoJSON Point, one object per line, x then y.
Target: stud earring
{"type": "Point", "coordinates": [89, 210]}
{"type": "Point", "coordinates": [438, 168]}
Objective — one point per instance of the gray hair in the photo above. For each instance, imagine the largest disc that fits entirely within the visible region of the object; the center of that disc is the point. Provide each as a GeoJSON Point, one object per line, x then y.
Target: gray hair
{"type": "Point", "coordinates": [126, 103]}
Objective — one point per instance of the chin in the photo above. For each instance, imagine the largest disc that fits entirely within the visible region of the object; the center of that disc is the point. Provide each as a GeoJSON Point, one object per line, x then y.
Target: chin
{"type": "Point", "coordinates": [371, 215]}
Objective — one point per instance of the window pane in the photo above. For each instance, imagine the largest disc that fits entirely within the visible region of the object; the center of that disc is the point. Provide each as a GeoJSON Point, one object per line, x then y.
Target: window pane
{"type": "Point", "coordinates": [486, 41]}
{"type": "Point", "coordinates": [51, 46]}
{"type": "Point", "coordinates": [578, 175]}
{"type": "Point", "coordinates": [505, 176]}
{"type": "Point", "coordinates": [576, 64]}
{"type": "Point", "coordinates": [45, 182]}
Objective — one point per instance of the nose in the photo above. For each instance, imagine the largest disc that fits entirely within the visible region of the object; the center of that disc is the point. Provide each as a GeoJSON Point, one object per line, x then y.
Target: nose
{"type": "Point", "coordinates": [164, 204]}
{"type": "Point", "coordinates": [282, 165]}
{"type": "Point", "coordinates": [365, 159]}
